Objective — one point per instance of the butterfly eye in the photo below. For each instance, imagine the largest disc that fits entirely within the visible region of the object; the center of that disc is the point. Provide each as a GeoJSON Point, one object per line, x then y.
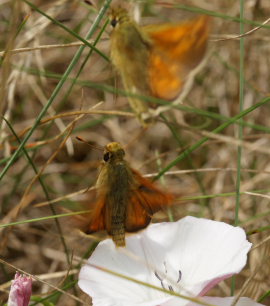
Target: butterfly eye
{"type": "Point", "coordinates": [114, 22]}
{"type": "Point", "coordinates": [106, 156]}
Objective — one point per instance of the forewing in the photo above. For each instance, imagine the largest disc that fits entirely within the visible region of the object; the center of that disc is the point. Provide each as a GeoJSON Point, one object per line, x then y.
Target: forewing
{"type": "Point", "coordinates": [176, 50]}
{"type": "Point", "coordinates": [146, 199]}
{"type": "Point", "coordinates": [97, 222]}
{"type": "Point", "coordinates": [137, 216]}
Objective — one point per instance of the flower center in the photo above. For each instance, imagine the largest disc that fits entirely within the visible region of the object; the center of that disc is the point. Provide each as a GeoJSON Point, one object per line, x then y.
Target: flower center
{"type": "Point", "coordinates": [164, 279]}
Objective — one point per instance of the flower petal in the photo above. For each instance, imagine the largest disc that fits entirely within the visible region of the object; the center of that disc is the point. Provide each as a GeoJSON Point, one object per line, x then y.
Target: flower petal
{"type": "Point", "coordinates": [205, 251]}
{"type": "Point", "coordinates": [120, 291]}
{"type": "Point", "coordinates": [227, 301]}
{"type": "Point", "coordinates": [20, 291]}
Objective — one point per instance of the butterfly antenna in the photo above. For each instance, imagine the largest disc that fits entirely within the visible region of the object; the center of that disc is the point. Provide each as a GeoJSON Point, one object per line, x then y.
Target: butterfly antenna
{"type": "Point", "coordinates": [96, 147]}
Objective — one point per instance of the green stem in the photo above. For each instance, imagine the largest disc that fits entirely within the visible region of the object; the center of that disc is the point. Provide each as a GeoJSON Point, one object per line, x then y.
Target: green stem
{"type": "Point", "coordinates": [215, 131]}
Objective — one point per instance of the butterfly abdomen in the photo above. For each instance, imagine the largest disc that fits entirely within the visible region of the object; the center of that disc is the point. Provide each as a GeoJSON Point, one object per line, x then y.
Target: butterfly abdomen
{"type": "Point", "coordinates": [118, 230]}
{"type": "Point", "coordinates": [119, 192]}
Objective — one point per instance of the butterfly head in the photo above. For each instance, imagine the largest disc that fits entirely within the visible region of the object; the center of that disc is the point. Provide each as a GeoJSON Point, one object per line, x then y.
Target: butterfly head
{"type": "Point", "coordinates": [118, 15]}
{"type": "Point", "coordinates": [113, 151]}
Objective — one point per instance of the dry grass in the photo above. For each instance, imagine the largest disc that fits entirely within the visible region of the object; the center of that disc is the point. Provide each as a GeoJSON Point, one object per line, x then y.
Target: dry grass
{"type": "Point", "coordinates": [65, 166]}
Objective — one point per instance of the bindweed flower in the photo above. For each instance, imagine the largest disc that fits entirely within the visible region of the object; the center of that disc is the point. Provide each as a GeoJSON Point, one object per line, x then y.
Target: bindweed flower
{"type": "Point", "coordinates": [187, 257]}
{"type": "Point", "coordinates": [20, 291]}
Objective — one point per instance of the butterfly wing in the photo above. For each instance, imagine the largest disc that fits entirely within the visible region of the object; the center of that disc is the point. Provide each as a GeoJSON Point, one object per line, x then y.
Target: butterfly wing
{"type": "Point", "coordinates": [137, 216]}
{"type": "Point", "coordinates": [101, 216]}
{"type": "Point", "coordinates": [146, 199]}
{"type": "Point", "coordinates": [176, 50]}
{"type": "Point", "coordinates": [97, 222]}
{"type": "Point", "coordinates": [143, 201]}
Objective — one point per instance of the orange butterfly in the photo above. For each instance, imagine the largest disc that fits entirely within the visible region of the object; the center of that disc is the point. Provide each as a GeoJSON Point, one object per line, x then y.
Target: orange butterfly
{"type": "Point", "coordinates": [126, 201]}
{"type": "Point", "coordinates": [155, 60]}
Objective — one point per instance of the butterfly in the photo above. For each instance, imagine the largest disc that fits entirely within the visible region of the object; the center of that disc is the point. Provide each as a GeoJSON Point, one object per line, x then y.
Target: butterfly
{"type": "Point", "coordinates": [126, 201]}
{"type": "Point", "coordinates": [155, 60]}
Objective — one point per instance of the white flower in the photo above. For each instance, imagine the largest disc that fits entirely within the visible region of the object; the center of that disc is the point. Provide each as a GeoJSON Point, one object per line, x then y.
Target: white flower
{"type": "Point", "coordinates": [226, 301]}
{"type": "Point", "coordinates": [187, 257]}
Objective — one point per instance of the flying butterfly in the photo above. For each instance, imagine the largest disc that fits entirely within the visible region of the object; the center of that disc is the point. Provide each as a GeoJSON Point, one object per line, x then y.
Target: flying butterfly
{"type": "Point", "coordinates": [155, 60]}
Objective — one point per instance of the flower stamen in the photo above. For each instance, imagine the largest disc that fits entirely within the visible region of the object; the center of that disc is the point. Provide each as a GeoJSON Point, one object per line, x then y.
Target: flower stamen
{"type": "Point", "coordinates": [162, 279]}
{"type": "Point", "coordinates": [179, 276]}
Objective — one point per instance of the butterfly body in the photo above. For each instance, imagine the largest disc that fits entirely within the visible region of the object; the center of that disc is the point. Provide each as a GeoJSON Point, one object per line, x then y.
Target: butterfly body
{"type": "Point", "coordinates": [155, 60]}
{"type": "Point", "coordinates": [113, 185]}
{"type": "Point", "coordinates": [125, 200]}
{"type": "Point", "coordinates": [128, 48]}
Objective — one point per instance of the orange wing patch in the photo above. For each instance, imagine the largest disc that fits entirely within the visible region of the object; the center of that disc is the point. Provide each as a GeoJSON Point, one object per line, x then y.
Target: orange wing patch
{"type": "Point", "coordinates": [137, 217]}
{"type": "Point", "coordinates": [146, 200]}
{"type": "Point", "coordinates": [176, 50]}
{"type": "Point", "coordinates": [98, 217]}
